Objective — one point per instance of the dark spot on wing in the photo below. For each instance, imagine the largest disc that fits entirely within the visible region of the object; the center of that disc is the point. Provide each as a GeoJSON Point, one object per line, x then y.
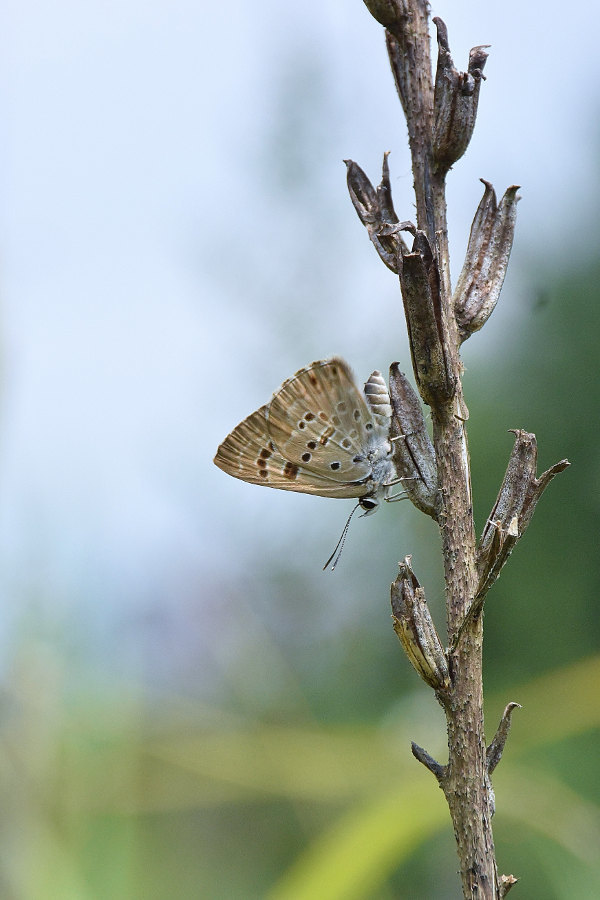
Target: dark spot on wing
{"type": "Point", "coordinates": [265, 454]}
{"type": "Point", "coordinates": [301, 424]}
{"type": "Point", "coordinates": [335, 466]}
{"type": "Point", "coordinates": [342, 406]}
{"type": "Point", "coordinates": [356, 414]}
{"type": "Point", "coordinates": [346, 443]}
{"type": "Point", "coordinates": [290, 470]}
{"type": "Point", "coordinates": [309, 416]}
{"type": "Point", "coordinates": [312, 445]}
{"type": "Point", "coordinates": [306, 457]}
{"type": "Point", "coordinates": [369, 426]}
{"type": "Point", "coordinates": [263, 473]}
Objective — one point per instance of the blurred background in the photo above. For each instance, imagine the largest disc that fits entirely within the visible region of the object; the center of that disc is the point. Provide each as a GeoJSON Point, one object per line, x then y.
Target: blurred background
{"type": "Point", "coordinates": [190, 706]}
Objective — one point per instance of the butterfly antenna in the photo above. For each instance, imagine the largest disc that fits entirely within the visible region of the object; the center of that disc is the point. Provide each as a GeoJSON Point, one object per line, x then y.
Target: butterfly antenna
{"type": "Point", "coordinates": [340, 544]}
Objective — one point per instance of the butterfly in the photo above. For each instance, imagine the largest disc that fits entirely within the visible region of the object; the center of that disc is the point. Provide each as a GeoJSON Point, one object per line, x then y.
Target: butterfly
{"type": "Point", "coordinates": [319, 434]}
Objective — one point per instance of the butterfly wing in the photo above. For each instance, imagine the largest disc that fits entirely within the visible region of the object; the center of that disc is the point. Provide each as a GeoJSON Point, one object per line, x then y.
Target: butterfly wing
{"type": "Point", "coordinates": [249, 453]}
{"type": "Point", "coordinates": [320, 421]}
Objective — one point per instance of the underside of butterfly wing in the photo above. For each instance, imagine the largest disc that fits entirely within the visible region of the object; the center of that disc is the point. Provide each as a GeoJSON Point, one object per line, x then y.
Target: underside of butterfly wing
{"type": "Point", "coordinates": [319, 420]}
{"type": "Point", "coordinates": [248, 453]}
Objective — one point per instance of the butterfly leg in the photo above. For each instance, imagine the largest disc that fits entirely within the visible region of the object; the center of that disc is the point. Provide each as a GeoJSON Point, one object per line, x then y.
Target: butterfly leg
{"type": "Point", "coordinates": [401, 478]}
{"type": "Point", "coordinates": [395, 497]}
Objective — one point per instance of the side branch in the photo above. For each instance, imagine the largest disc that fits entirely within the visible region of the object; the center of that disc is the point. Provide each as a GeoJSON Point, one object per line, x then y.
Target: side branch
{"type": "Point", "coordinates": [496, 748]}
{"type": "Point", "coordinates": [429, 762]}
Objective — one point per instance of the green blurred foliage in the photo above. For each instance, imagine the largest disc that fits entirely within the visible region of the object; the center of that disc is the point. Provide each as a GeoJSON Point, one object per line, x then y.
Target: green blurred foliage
{"type": "Point", "coordinates": [296, 781]}
{"type": "Point", "coordinates": [548, 385]}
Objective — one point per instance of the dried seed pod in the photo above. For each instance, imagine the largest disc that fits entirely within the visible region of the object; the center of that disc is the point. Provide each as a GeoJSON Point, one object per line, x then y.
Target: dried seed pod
{"type": "Point", "coordinates": [388, 12]}
{"type": "Point", "coordinates": [426, 321]}
{"type": "Point", "coordinates": [514, 508]}
{"type": "Point", "coordinates": [414, 626]}
{"type": "Point", "coordinates": [455, 101]}
{"type": "Point", "coordinates": [375, 210]}
{"type": "Point", "coordinates": [511, 498]}
{"type": "Point", "coordinates": [414, 455]}
{"type": "Point", "coordinates": [499, 549]}
{"type": "Point", "coordinates": [486, 260]}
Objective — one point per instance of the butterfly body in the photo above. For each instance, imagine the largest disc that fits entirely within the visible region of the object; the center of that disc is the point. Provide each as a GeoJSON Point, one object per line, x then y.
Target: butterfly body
{"type": "Point", "coordinates": [318, 435]}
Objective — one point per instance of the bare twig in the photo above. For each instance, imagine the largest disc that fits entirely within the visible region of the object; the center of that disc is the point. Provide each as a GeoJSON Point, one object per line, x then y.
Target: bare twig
{"type": "Point", "coordinates": [496, 748]}
{"type": "Point", "coordinates": [429, 762]}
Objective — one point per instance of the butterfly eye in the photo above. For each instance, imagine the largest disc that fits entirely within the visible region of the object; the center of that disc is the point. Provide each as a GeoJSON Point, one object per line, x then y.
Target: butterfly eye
{"type": "Point", "coordinates": [369, 504]}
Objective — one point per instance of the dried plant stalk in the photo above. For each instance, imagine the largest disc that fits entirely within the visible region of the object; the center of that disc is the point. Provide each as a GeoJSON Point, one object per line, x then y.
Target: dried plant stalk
{"type": "Point", "coordinates": [440, 120]}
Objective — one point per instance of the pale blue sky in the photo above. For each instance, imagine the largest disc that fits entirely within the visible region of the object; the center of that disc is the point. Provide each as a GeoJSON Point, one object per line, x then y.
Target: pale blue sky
{"type": "Point", "coordinates": [176, 239]}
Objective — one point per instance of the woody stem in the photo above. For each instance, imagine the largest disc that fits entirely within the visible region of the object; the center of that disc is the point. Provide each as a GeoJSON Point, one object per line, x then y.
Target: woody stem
{"type": "Point", "coordinates": [465, 779]}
